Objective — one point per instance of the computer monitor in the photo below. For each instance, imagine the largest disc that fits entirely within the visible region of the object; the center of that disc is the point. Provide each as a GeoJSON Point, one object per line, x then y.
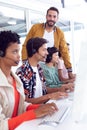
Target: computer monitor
{"type": "Point", "coordinates": [79, 111]}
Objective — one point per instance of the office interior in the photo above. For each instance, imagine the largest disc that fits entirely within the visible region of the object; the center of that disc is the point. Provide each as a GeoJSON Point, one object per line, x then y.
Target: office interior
{"type": "Point", "coordinates": [19, 16]}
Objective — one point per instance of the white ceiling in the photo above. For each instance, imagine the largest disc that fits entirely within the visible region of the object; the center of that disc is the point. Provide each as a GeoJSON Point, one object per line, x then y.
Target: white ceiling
{"type": "Point", "coordinates": [73, 10]}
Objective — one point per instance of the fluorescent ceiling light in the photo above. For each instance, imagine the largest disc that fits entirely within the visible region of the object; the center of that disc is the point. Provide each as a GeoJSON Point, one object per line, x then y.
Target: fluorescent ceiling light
{"type": "Point", "coordinates": [12, 22]}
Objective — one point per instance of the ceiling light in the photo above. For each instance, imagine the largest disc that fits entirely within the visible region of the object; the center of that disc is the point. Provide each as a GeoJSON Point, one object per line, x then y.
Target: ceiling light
{"type": "Point", "coordinates": [12, 22]}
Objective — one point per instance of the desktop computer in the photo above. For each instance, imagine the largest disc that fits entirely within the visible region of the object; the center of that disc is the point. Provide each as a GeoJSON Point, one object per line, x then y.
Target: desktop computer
{"type": "Point", "coordinates": [79, 110]}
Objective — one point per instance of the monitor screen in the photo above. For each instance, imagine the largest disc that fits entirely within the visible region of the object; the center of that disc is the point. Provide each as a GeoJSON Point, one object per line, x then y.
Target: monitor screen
{"type": "Point", "coordinates": [79, 111]}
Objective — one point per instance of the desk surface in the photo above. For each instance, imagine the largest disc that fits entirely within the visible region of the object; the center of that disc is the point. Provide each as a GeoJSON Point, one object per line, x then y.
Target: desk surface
{"type": "Point", "coordinates": [67, 124]}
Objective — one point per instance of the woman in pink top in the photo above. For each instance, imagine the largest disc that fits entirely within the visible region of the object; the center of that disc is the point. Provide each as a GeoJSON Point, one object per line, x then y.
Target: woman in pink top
{"type": "Point", "coordinates": [61, 67]}
{"type": "Point", "coordinates": [62, 71]}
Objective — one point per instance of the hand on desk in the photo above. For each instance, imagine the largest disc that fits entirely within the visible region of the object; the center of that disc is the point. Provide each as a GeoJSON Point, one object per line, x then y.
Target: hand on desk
{"type": "Point", "coordinates": [67, 87]}
{"type": "Point", "coordinates": [49, 108]}
{"type": "Point", "coordinates": [71, 75]}
{"type": "Point", "coordinates": [45, 109]}
{"type": "Point", "coordinates": [57, 95]}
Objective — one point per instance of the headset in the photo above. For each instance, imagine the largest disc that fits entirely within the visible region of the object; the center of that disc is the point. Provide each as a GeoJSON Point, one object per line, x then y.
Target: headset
{"type": "Point", "coordinates": [33, 50]}
{"type": "Point", "coordinates": [49, 57]}
{"type": "Point", "coordinates": [1, 53]}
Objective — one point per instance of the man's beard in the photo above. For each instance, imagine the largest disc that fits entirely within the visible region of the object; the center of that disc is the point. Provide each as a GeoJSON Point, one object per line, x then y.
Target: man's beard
{"type": "Point", "coordinates": [50, 25]}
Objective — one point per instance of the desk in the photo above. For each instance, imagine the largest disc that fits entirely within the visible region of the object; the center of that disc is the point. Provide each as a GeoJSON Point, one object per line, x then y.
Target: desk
{"type": "Point", "coordinates": [67, 124]}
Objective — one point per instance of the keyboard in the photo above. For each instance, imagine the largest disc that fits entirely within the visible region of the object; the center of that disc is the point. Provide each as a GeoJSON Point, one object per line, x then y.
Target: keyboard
{"type": "Point", "coordinates": [59, 116]}
{"type": "Point", "coordinates": [71, 96]}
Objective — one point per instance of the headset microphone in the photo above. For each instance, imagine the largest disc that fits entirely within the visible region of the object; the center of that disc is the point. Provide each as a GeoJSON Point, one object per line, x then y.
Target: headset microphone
{"type": "Point", "coordinates": [2, 55]}
{"type": "Point", "coordinates": [40, 55]}
{"type": "Point", "coordinates": [43, 57]}
{"type": "Point", "coordinates": [16, 62]}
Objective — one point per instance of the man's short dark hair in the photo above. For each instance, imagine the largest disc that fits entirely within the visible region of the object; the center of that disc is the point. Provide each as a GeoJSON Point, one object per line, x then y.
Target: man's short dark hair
{"type": "Point", "coordinates": [34, 44]}
{"type": "Point", "coordinates": [54, 9]}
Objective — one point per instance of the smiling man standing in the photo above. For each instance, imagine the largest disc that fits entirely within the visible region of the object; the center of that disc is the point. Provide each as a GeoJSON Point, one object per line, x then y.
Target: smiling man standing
{"type": "Point", "coordinates": [53, 34]}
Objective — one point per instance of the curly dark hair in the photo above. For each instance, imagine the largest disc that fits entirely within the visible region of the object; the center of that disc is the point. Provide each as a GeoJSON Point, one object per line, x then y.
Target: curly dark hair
{"type": "Point", "coordinates": [7, 38]}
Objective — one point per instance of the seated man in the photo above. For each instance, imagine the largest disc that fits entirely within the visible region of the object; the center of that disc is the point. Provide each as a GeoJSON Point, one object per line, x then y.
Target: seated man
{"type": "Point", "coordinates": [51, 71]}
{"type": "Point", "coordinates": [31, 73]}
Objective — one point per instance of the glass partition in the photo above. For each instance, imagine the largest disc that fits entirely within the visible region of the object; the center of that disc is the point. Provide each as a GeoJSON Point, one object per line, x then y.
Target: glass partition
{"type": "Point", "coordinates": [21, 19]}
{"type": "Point", "coordinates": [12, 19]}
